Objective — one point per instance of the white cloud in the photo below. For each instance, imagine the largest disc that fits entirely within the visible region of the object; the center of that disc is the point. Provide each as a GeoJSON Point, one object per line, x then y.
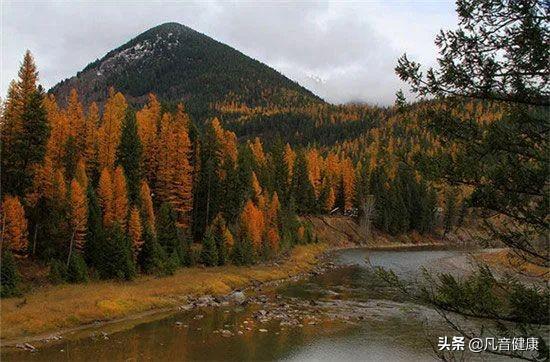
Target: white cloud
{"type": "Point", "coordinates": [352, 46]}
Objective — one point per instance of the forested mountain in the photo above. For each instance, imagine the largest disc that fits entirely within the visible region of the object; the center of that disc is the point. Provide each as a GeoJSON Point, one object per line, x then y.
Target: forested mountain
{"type": "Point", "coordinates": [180, 64]}
{"type": "Point", "coordinates": [121, 189]}
{"type": "Point", "coordinates": [109, 182]}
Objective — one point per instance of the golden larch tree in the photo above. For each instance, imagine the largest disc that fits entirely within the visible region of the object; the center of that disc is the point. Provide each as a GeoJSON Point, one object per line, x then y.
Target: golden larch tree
{"type": "Point", "coordinates": [314, 164]}
{"type": "Point", "coordinates": [273, 238]}
{"type": "Point", "coordinates": [43, 182]}
{"type": "Point", "coordinates": [59, 132]}
{"type": "Point", "coordinates": [90, 137]}
{"type": "Point", "coordinates": [120, 197]}
{"type": "Point", "coordinates": [252, 224]}
{"type": "Point", "coordinates": [12, 125]}
{"type": "Point", "coordinates": [110, 130]}
{"type": "Point", "coordinates": [147, 206]}
{"type": "Point", "coordinates": [175, 173]}
{"type": "Point", "coordinates": [256, 188]}
{"type": "Point", "coordinates": [272, 214]}
{"type": "Point", "coordinates": [332, 167]}
{"type": "Point", "coordinates": [258, 151]}
{"type": "Point", "coordinates": [227, 141]}
{"type": "Point", "coordinates": [290, 157]}
{"type": "Point", "coordinates": [76, 121]}
{"type": "Point", "coordinates": [348, 182]}
{"type": "Point", "coordinates": [60, 187]}
{"type": "Point", "coordinates": [14, 226]}
{"type": "Point", "coordinates": [19, 94]}
{"type": "Point", "coordinates": [148, 122]}
{"type": "Point", "coordinates": [80, 174]}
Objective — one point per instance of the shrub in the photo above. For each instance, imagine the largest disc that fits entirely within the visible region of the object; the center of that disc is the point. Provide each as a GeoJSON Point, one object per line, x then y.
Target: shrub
{"type": "Point", "coordinates": [152, 258]}
{"type": "Point", "coordinates": [243, 252]}
{"type": "Point", "coordinates": [117, 257]}
{"type": "Point", "coordinates": [9, 276]}
{"type": "Point", "coordinates": [209, 252]}
{"type": "Point", "coordinates": [77, 271]}
{"type": "Point", "coordinates": [58, 272]}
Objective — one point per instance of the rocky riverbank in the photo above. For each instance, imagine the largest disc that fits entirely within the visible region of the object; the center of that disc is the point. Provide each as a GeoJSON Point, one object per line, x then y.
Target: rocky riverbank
{"type": "Point", "coordinates": [69, 308]}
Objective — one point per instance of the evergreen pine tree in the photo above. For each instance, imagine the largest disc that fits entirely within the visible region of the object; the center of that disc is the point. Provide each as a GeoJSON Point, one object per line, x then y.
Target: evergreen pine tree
{"type": "Point", "coordinates": [243, 252]}
{"type": "Point", "coordinates": [281, 173]}
{"type": "Point", "coordinates": [77, 271]}
{"type": "Point", "coordinates": [209, 252]}
{"type": "Point", "coordinates": [117, 258]}
{"type": "Point", "coordinates": [208, 187]}
{"type": "Point", "coordinates": [9, 276]}
{"type": "Point", "coordinates": [303, 192]}
{"type": "Point", "coordinates": [152, 258]}
{"type": "Point", "coordinates": [70, 157]}
{"type": "Point", "coordinates": [220, 234]}
{"type": "Point", "coordinates": [232, 197]}
{"type": "Point", "coordinates": [129, 154]}
{"type": "Point", "coordinates": [167, 232]}
{"type": "Point", "coordinates": [95, 236]}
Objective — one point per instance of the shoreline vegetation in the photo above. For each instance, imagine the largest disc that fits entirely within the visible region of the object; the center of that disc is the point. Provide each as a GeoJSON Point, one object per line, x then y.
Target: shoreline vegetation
{"type": "Point", "coordinates": [55, 310]}
{"type": "Point", "coordinates": [61, 307]}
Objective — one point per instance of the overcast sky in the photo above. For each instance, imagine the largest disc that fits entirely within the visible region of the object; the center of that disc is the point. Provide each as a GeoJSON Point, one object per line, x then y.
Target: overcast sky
{"type": "Point", "coordinates": [342, 51]}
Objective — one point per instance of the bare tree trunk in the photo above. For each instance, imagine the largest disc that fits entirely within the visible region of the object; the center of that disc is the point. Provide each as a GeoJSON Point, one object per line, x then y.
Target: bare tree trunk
{"type": "Point", "coordinates": [71, 248]}
{"type": "Point", "coordinates": [208, 200]}
{"type": "Point", "coordinates": [34, 237]}
{"type": "Point", "coordinates": [2, 238]}
{"type": "Point", "coordinates": [368, 215]}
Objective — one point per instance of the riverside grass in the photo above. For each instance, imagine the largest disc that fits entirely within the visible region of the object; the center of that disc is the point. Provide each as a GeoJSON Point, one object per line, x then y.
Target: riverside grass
{"type": "Point", "coordinates": [54, 308]}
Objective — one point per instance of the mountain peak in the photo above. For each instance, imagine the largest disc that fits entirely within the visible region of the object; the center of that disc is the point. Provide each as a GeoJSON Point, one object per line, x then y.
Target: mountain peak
{"type": "Point", "coordinates": [167, 28]}
{"type": "Point", "coordinates": [179, 64]}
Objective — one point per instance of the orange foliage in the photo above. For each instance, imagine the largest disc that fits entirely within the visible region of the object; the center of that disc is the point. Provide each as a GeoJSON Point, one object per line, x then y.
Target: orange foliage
{"type": "Point", "coordinates": [14, 225]}
{"type": "Point", "coordinates": [175, 174]}
{"type": "Point", "coordinates": [290, 157]}
{"type": "Point", "coordinates": [110, 130]}
{"type": "Point", "coordinates": [314, 163]}
{"type": "Point", "coordinates": [148, 120]}
{"type": "Point", "coordinates": [59, 131]}
{"type": "Point", "coordinates": [76, 120]}
{"type": "Point", "coordinates": [273, 210]}
{"type": "Point", "coordinates": [120, 197]}
{"type": "Point", "coordinates": [43, 182]}
{"type": "Point", "coordinates": [90, 136]}
{"type": "Point", "coordinates": [273, 238]}
{"type": "Point", "coordinates": [227, 140]}
{"type": "Point", "coordinates": [147, 206]}
{"type": "Point", "coordinates": [256, 188]}
{"type": "Point", "coordinates": [80, 174]}
{"type": "Point", "coordinates": [348, 182]}
{"type": "Point", "coordinates": [258, 151]}
{"type": "Point", "coordinates": [60, 187]}
{"type": "Point", "coordinates": [252, 224]}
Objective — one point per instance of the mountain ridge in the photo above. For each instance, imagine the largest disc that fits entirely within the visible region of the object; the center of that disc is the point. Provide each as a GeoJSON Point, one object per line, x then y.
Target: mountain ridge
{"type": "Point", "coordinates": [178, 63]}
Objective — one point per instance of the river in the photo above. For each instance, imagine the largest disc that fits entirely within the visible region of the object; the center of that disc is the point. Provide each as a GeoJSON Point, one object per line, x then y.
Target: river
{"type": "Point", "coordinates": [344, 314]}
